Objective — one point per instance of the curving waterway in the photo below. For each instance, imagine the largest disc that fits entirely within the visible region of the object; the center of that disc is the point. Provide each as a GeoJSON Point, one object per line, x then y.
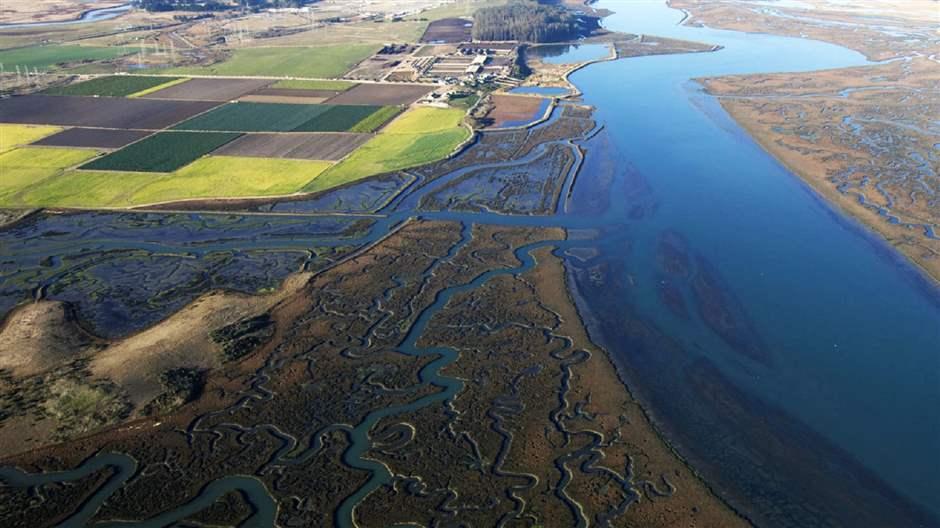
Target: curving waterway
{"type": "Point", "coordinates": [92, 15]}
{"type": "Point", "coordinates": [812, 402]}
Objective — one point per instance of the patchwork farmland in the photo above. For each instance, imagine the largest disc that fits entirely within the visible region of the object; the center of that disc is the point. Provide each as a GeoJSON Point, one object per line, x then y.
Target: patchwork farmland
{"type": "Point", "coordinates": [129, 140]}
{"type": "Point", "coordinates": [284, 117]}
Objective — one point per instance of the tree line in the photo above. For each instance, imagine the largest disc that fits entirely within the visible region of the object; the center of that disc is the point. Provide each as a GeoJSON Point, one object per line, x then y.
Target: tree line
{"type": "Point", "coordinates": [529, 21]}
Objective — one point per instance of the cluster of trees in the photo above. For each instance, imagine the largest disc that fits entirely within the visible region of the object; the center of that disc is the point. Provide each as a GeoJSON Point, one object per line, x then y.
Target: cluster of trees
{"type": "Point", "coordinates": [529, 21]}
{"type": "Point", "coordinates": [218, 5]}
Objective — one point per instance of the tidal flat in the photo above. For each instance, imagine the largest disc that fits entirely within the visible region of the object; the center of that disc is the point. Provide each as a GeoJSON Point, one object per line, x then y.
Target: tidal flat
{"type": "Point", "coordinates": [391, 385]}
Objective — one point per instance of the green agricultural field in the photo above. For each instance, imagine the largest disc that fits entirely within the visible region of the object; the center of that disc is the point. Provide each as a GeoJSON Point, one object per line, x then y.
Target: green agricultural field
{"type": "Point", "coordinates": [281, 117]}
{"type": "Point", "coordinates": [208, 177]}
{"type": "Point", "coordinates": [372, 32]}
{"type": "Point", "coordinates": [16, 135]}
{"type": "Point", "coordinates": [162, 152]}
{"type": "Point", "coordinates": [254, 117]}
{"type": "Point", "coordinates": [112, 86]}
{"type": "Point", "coordinates": [29, 166]}
{"type": "Point", "coordinates": [376, 119]}
{"type": "Point", "coordinates": [46, 57]}
{"type": "Point", "coordinates": [464, 8]}
{"type": "Point", "coordinates": [340, 118]}
{"type": "Point", "coordinates": [227, 176]}
{"type": "Point", "coordinates": [425, 119]}
{"type": "Point", "coordinates": [318, 61]}
{"type": "Point", "coordinates": [419, 136]}
{"type": "Point", "coordinates": [79, 188]}
{"type": "Point", "coordinates": [304, 84]}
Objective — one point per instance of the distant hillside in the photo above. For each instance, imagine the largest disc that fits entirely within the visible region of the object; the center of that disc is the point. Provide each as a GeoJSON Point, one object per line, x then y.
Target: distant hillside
{"type": "Point", "coordinates": [217, 5]}
{"type": "Point", "coordinates": [529, 21]}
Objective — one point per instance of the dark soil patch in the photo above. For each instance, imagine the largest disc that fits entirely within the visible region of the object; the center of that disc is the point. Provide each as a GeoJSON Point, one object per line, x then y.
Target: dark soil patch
{"type": "Point", "coordinates": [210, 89]}
{"type": "Point", "coordinates": [93, 137]}
{"type": "Point", "coordinates": [448, 30]}
{"type": "Point", "coordinates": [326, 146]}
{"type": "Point", "coordinates": [381, 94]}
{"type": "Point", "coordinates": [139, 114]}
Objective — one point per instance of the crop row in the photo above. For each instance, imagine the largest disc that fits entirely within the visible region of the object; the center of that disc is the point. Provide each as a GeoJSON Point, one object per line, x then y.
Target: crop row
{"type": "Point", "coordinates": [278, 117]}
{"type": "Point", "coordinates": [162, 152]}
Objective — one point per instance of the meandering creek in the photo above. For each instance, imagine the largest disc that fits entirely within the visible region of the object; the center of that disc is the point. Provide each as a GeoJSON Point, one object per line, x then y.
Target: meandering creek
{"type": "Point", "coordinates": [816, 389]}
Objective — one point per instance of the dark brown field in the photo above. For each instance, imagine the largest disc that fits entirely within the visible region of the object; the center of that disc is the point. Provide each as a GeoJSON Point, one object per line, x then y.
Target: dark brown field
{"type": "Point", "coordinates": [295, 92]}
{"type": "Point", "coordinates": [288, 95]}
{"type": "Point", "coordinates": [313, 146]}
{"type": "Point", "coordinates": [382, 94]}
{"type": "Point", "coordinates": [210, 89]}
{"type": "Point", "coordinates": [107, 112]}
{"type": "Point", "coordinates": [93, 137]}
{"type": "Point", "coordinates": [448, 30]}
{"type": "Point", "coordinates": [509, 109]}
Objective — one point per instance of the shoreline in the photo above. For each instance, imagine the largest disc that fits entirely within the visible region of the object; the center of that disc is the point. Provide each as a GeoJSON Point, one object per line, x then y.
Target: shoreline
{"type": "Point", "coordinates": [592, 328]}
{"type": "Point", "coordinates": [838, 202]}
{"type": "Point", "coordinates": [591, 325]}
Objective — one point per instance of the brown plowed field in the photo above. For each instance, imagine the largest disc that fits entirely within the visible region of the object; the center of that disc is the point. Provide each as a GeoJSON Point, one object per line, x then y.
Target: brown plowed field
{"type": "Point", "coordinates": [448, 30]}
{"type": "Point", "coordinates": [295, 92]}
{"type": "Point", "coordinates": [93, 137]}
{"type": "Point", "coordinates": [509, 109]}
{"type": "Point", "coordinates": [210, 89]}
{"type": "Point", "coordinates": [312, 146]}
{"type": "Point", "coordinates": [105, 112]}
{"type": "Point", "coordinates": [381, 94]}
{"type": "Point", "coordinates": [254, 98]}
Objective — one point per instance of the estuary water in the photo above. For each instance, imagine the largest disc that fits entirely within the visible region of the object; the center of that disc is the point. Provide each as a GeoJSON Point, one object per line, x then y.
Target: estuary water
{"type": "Point", "coordinates": [849, 329]}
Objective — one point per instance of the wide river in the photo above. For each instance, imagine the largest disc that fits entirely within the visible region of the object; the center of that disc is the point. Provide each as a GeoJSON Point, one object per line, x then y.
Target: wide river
{"type": "Point", "coordinates": [853, 330]}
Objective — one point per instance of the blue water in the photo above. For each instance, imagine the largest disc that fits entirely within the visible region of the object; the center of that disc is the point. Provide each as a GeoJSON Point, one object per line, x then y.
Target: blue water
{"type": "Point", "coordinates": [854, 329]}
{"type": "Point", "coordinates": [569, 53]}
{"type": "Point", "coordinates": [92, 15]}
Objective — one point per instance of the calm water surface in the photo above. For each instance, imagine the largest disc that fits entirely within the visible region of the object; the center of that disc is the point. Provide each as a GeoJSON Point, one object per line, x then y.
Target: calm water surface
{"type": "Point", "coordinates": [853, 330]}
{"type": "Point", "coordinates": [569, 53]}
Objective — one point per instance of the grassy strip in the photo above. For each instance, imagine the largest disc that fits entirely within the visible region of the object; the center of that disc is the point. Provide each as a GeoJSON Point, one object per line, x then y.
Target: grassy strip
{"type": "Point", "coordinates": [208, 177]}
{"type": "Point", "coordinates": [318, 61]}
{"type": "Point", "coordinates": [111, 86]}
{"type": "Point", "coordinates": [157, 88]}
{"type": "Point", "coordinates": [16, 135]}
{"type": "Point", "coordinates": [376, 119]}
{"type": "Point", "coordinates": [49, 57]}
{"type": "Point", "coordinates": [419, 136]}
{"type": "Point", "coordinates": [301, 84]}
{"type": "Point", "coordinates": [425, 119]}
{"type": "Point", "coordinates": [226, 176]}
{"type": "Point", "coordinates": [162, 152]}
{"type": "Point", "coordinates": [26, 167]}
